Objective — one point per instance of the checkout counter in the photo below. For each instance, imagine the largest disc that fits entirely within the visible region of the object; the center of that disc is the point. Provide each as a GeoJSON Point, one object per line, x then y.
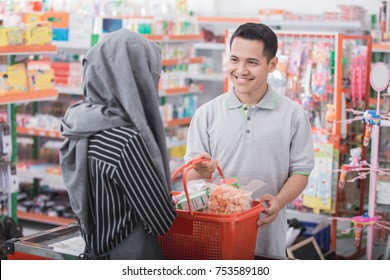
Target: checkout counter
{"type": "Point", "coordinates": [61, 243]}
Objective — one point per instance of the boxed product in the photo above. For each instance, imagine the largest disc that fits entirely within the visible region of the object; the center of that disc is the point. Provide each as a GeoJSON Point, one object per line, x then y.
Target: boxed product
{"type": "Point", "coordinates": [40, 79]}
{"type": "Point", "coordinates": [199, 201]}
{"type": "Point", "coordinates": [57, 19]}
{"type": "Point", "coordinates": [40, 75]}
{"type": "Point", "coordinates": [31, 17]}
{"type": "Point", "coordinates": [60, 24]}
{"type": "Point", "coordinates": [13, 78]}
{"type": "Point", "coordinates": [11, 36]}
{"type": "Point", "coordinates": [38, 34]}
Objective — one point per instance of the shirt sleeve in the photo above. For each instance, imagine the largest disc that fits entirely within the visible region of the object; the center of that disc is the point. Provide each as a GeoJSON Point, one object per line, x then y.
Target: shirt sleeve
{"type": "Point", "coordinates": [301, 150]}
{"type": "Point", "coordinates": [137, 176]}
{"type": "Point", "coordinates": [197, 136]}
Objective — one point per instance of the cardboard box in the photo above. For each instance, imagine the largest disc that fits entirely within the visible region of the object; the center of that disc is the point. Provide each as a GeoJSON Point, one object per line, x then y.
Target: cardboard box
{"type": "Point", "coordinates": [13, 79]}
{"type": "Point", "coordinates": [40, 75]}
{"type": "Point", "coordinates": [38, 34]}
{"type": "Point", "coordinates": [31, 17]}
{"type": "Point", "coordinates": [40, 79]}
{"type": "Point", "coordinates": [199, 200]}
{"type": "Point", "coordinates": [57, 19]}
{"type": "Point", "coordinates": [11, 36]}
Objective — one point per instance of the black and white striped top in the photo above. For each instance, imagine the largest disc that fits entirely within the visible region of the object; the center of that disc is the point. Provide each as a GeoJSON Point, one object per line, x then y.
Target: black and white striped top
{"type": "Point", "coordinates": [124, 189]}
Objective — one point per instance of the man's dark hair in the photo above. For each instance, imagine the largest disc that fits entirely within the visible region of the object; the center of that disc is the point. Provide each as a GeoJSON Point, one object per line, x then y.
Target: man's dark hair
{"type": "Point", "coordinates": [259, 32]}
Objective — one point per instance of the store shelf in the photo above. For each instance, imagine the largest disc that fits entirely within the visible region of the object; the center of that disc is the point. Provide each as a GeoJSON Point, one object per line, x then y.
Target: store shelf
{"type": "Point", "coordinates": [175, 143]}
{"type": "Point", "coordinates": [27, 50]}
{"type": "Point", "coordinates": [213, 77]}
{"type": "Point", "coordinates": [181, 90]}
{"type": "Point", "coordinates": [49, 175]}
{"type": "Point", "coordinates": [355, 25]}
{"type": "Point", "coordinates": [71, 48]}
{"type": "Point", "coordinates": [45, 219]}
{"type": "Point", "coordinates": [174, 38]}
{"type": "Point", "coordinates": [210, 46]}
{"type": "Point", "coordinates": [175, 122]}
{"type": "Point", "coordinates": [229, 20]}
{"type": "Point", "coordinates": [23, 97]}
{"type": "Point", "coordinates": [38, 132]}
{"type": "Point", "coordinates": [173, 62]}
{"type": "Point", "coordinates": [69, 90]}
{"type": "Point", "coordinates": [381, 48]}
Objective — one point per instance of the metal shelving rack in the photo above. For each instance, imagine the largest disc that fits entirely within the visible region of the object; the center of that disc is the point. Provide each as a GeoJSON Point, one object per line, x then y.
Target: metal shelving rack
{"type": "Point", "coordinates": [13, 99]}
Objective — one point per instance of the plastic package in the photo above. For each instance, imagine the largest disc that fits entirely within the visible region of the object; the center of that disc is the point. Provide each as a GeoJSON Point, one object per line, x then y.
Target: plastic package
{"type": "Point", "coordinates": [225, 199]}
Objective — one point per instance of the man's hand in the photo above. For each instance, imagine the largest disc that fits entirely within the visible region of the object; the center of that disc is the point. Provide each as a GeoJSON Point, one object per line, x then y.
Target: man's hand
{"type": "Point", "coordinates": [272, 209]}
{"type": "Point", "coordinates": [205, 169]}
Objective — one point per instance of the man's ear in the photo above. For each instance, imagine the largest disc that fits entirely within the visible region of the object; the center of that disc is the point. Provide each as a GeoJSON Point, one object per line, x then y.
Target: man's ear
{"type": "Point", "coordinates": [272, 64]}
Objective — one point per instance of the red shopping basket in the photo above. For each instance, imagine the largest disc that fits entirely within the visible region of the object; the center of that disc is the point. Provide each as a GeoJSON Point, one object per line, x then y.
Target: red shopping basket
{"type": "Point", "coordinates": [205, 236]}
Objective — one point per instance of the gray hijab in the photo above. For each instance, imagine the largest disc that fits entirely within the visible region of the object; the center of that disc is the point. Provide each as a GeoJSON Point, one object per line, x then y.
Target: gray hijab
{"type": "Point", "coordinates": [121, 75]}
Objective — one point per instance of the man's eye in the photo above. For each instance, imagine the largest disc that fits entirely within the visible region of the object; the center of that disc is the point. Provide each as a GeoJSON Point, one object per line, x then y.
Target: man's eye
{"type": "Point", "coordinates": [233, 59]}
{"type": "Point", "coordinates": [253, 63]}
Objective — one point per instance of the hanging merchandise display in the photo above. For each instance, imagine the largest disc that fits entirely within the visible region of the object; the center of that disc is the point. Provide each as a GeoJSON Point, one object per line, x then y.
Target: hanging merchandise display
{"type": "Point", "coordinates": [379, 79]}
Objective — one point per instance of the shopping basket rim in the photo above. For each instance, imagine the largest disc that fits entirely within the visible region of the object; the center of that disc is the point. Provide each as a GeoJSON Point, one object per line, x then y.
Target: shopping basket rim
{"type": "Point", "coordinates": [226, 218]}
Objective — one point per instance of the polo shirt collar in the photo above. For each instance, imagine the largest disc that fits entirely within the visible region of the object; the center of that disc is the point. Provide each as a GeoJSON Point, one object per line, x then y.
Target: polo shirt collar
{"type": "Point", "coordinates": [267, 102]}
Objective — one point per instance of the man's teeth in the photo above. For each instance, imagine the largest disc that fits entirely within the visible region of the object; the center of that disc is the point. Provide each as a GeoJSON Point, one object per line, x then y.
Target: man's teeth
{"type": "Point", "coordinates": [242, 80]}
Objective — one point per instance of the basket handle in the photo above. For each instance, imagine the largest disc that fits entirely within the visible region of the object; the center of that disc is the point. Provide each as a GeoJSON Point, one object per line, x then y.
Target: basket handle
{"type": "Point", "coordinates": [187, 167]}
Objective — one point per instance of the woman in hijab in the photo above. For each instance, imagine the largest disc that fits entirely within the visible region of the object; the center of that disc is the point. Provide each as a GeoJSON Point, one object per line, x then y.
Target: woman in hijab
{"type": "Point", "coordinates": [114, 158]}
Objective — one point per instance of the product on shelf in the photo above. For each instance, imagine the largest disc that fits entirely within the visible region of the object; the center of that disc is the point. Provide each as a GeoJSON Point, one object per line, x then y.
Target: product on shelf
{"type": "Point", "coordinates": [13, 78]}
{"type": "Point", "coordinates": [11, 36]}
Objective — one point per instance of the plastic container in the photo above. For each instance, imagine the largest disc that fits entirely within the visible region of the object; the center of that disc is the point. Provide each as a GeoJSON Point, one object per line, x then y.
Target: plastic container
{"type": "Point", "coordinates": [205, 236]}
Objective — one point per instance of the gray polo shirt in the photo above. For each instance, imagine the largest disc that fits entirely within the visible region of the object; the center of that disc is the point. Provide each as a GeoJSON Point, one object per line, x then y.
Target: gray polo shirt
{"type": "Point", "coordinates": [269, 141]}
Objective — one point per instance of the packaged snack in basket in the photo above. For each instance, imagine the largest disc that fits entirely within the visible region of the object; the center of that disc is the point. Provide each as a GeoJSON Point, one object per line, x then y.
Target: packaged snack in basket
{"type": "Point", "coordinates": [199, 196]}
{"type": "Point", "coordinates": [199, 201]}
{"type": "Point", "coordinates": [225, 199]}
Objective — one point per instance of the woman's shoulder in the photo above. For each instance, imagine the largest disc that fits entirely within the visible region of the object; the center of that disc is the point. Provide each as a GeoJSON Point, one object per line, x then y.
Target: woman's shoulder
{"type": "Point", "coordinates": [113, 139]}
{"type": "Point", "coordinates": [118, 133]}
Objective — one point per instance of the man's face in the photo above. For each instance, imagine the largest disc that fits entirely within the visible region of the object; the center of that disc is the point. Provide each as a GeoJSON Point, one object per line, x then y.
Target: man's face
{"type": "Point", "coordinates": [248, 68]}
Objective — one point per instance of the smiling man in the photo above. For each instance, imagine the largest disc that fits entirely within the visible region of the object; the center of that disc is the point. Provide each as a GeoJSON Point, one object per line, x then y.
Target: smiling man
{"type": "Point", "coordinates": [253, 133]}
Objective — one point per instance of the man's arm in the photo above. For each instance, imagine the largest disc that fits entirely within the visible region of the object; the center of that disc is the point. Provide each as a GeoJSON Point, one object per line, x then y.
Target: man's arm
{"type": "Point", "coordinates": [293, 187]}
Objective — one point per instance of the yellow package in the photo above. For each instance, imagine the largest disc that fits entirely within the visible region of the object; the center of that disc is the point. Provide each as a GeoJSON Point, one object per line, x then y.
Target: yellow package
{"type": "Point", "coordinates": [40, 79]}
{"type": "Point", "coordinates": [11, 36]}
{"type": "Point", "coordinates": [13, 79]}
{"type": "Point", "coordinates": [38, 34]}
